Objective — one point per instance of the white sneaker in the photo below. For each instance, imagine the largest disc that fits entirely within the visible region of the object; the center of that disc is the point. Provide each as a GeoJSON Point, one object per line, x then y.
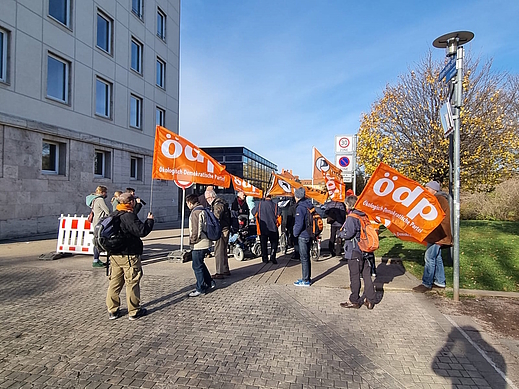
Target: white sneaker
{"type": "Point", "coordinates": [195, 293]}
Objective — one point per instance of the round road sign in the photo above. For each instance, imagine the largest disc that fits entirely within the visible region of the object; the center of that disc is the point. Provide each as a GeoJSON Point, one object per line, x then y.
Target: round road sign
{"type": "Point", "coordinates": [344, 161]}
{"type": "Point", "coordinates": [344, 143]}
{"type": "Point", "coordinates": [183, 184]}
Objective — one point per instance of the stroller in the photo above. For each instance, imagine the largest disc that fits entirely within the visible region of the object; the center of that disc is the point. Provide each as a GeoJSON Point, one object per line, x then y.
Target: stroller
{"type": "Point", "coordinates": [244, 241]}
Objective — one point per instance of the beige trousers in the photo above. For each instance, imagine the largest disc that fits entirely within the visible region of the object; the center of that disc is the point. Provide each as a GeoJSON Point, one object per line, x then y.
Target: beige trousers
{"type": "Point", "coordinates": [124, 269]}
{"type": "Point", "coordinates": [220, 252]}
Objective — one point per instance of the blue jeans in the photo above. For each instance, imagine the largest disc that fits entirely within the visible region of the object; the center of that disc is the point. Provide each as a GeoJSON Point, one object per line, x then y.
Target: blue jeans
{"type": "Point", "coordinates": [304, 254]}
{"type": "Point", "coordinates": [433, 270]}
{"type": "Point", "coordinates": [202, 275]}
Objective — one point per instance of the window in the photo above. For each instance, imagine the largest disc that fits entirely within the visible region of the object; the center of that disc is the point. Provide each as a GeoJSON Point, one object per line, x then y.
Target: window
{"type": "Point", "coordinates": [136, 168]}
{"type": "Point", "coordinates": [104, 32]}
{"type": "Point", "coordinates": [60, 11]}
{"type": "Point", "coordinates": [53, 156]}
{"type": "Point", "coordinates": [161, 71]}
{"type": "Point", "coordinates": [137, 8]}
{"type": "Point", "coordinates": [102, 163]}
{"type": "Point", "coordinates": [3, 55]}
{"type": "Point", "coordinates": [135, 111]}
{"type": "Point", "coordinates": [161, 116]}
{"type": "Point", "coordinates": [57, 78]}
{"type": "Point", "coordinates": [136, 56]}
{"type": "Point", "coordinates": [103, 98]}
{"type": "Point", "coordinates": [161, 24]}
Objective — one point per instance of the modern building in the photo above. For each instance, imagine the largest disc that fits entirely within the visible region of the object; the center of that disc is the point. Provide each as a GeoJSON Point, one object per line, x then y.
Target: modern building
{"type": "Point", "coordinates": [83, 84]}
{"type": "Point", "coordinates": [243, 163]}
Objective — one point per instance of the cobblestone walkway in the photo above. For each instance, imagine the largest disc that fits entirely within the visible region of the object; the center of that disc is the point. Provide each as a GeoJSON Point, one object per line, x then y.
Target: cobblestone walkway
{"type": "Point", "coordinates": [55, 333]}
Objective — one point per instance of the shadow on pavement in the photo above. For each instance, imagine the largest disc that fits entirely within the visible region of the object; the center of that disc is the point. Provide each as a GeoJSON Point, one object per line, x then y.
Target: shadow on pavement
{"type": "Point", "coordinates": [466, 343]}
{"type": "Point", "coordinates": [387, 270]}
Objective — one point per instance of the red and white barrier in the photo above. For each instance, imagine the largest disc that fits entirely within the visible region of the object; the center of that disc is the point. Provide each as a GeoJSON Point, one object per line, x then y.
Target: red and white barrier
{"type": "Point", "coordinates": [75, 235]}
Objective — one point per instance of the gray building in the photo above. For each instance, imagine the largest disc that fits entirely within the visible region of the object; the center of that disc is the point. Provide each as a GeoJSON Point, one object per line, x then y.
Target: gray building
{"type": "Point", "coordinates": [83, 84]}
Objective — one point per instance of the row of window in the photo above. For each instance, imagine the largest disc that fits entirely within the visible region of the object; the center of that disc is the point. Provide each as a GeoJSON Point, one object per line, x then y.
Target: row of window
{"type": "Point", "coordinates": [60, 10]}
{"type": "Point", "coordinates": [54, 156]}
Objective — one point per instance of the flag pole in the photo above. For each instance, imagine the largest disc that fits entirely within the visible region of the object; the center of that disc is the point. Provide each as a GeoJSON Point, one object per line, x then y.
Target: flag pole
{"type": "Point", "coordinates": [182, 221]}
{"type": "Point", "coordinates": [151, 194]}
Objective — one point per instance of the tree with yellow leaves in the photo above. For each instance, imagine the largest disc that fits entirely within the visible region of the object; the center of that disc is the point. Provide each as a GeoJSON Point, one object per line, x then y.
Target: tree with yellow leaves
{"type": "Point", "coordinates": [404, 129]}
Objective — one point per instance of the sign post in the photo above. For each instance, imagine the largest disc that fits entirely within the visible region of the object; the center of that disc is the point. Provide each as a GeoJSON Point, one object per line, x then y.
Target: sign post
{"type": "Point", "coordinates": [453, 42]}
{"type": "Point", "coordinates": [345, 158]}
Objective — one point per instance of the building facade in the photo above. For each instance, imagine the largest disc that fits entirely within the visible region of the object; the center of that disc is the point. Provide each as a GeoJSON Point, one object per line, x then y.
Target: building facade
{"type": "Point", "coordinates": [83, 84]}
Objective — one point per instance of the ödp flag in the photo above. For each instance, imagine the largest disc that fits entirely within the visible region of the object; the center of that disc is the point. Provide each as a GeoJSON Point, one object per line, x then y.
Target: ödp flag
{"type": "Point", "coordinates": [324, 168]}
{"type": "Point", "coordinates": [249, 189]}
{"type": "Point", "coordinates": [406, 204]}
{"type": "Point", "coordinates": [282, 186]}
{"type": "Point", "coordinates": [175, 158]}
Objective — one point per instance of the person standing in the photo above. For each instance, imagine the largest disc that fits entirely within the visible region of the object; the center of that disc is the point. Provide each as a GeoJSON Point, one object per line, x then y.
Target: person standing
{"type": "Point", "coordinates": [138, 202]}
{"type": "Point", "coordinates": [221, 210]}
{"type": "Point", "coordinates": [202, 198]}
{"type": "Point", "coordinates": [434, 272]}
{"type": "Point", "coordinates": [335, 216]}
{"type": "Point", "coordinates": [96, 201]}
{"type": "Point", "coordinates": [267, 212]}
{"type": "Point", "coordinates": [303, 238]}
{"type": "Point", "coordinates": [125, 266]}
{"type": "Point", "coordinates": [115, 200]}
{"type": "Point", "coordinates": [199, 246]}
{"type": "Point", "coordinates": [357, 263]}
{"type": "Point", "coordinates": [239, 207]}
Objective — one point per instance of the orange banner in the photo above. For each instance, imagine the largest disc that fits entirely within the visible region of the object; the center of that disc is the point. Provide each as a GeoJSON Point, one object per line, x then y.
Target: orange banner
{"type": "Point", "coordinates": [405, 203]}
{"type": "Point", "coordinates": [175, 158]}
{"type": "Point", "coordinates": [336, 189]}
{"type": "Point", "coordinates": [396, 230]}
{"type": "Point", "coordinates": [239, 184]}
{"type": "Point", "coordinates": [282, 186]}
{"type": "Point", "coordinates": [324, 168]}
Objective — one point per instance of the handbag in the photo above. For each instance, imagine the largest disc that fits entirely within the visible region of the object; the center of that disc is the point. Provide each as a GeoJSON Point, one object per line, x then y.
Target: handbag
{"type": "Point", "coordinates": [91, 216]}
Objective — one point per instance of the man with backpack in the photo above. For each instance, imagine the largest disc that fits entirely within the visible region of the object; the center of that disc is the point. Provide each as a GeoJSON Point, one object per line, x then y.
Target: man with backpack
{"type": "Point", "coordinates": [266, 213]}
{"type": "Point", "coordinates": [125, 263]}
{"type": "Point", "coordinates": [221, 210]}
{"type": "Point", "coordinates": [302, 220]}
{"type": "Point", "coordinates": [199, 245]}
{"type": "Point", "coordinates": [357, 263]}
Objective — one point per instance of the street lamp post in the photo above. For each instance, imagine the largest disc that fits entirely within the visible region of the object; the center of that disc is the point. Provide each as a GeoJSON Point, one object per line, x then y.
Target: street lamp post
{"type": "Point", "coordinates": [453, 42]}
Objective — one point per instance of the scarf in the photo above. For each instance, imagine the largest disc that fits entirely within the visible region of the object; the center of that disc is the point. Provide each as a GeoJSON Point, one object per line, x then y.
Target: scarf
{"type": "Point", "coordinates": [124, 207]}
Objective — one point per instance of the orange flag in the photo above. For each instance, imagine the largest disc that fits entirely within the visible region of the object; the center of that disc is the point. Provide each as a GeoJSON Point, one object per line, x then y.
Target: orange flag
{"type": "Point", "coordinates": [282, 186]}
{"type": "Point", "coordinates": [249, 189]}
{"type": "Point", "coordinates": [323, 168]}
{"type": "Point", "coordinates": [175, 158]}
{"type": "Point", "coordinates": [410, 208]}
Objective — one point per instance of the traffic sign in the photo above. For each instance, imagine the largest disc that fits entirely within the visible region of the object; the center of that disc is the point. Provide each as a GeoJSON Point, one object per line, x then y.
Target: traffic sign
{"type": "Point", "coordinates": [344, 144]}
{"type": "Point", "coordinates": [449, 70]}
{"type": "Point", "coordinates": [345, 162]}
{"type": "Point", "coordinates": [183, 184]}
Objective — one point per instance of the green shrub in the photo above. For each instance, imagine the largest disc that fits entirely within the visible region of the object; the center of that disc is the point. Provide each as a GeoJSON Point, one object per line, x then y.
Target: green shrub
{"type": "Point", "coordinates": [500, 204]}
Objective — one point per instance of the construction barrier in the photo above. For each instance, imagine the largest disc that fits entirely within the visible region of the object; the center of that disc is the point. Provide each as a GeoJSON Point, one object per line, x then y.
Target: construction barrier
{"type": "Point", "coordinates": [75, 235]}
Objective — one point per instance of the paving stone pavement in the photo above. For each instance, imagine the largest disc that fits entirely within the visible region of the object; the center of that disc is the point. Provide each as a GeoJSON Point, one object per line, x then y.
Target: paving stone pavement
{"type": "Point", "coordinates": [255, 330]}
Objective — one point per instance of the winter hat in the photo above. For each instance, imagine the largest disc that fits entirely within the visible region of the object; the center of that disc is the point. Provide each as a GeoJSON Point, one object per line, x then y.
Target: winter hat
{"type": "Point", "coordinates": [434, 185]}
{"type": "Point", "coordinates": [299, 193]}
{"type": "Point", "coordinates": [126, 198]}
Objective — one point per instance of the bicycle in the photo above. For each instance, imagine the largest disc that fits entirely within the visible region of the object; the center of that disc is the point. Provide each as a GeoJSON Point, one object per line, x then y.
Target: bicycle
{"type": "Point", "coordinates": [315, 249]}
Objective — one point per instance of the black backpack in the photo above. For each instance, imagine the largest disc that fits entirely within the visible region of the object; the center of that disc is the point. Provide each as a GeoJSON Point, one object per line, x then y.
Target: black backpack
{"type": "Point", "coordinates": [108, 236]}
{"type": "Point", "coordinates": [213, 228]}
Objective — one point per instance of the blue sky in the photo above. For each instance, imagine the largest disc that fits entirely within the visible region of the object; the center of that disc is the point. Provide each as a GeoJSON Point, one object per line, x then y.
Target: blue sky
{"type": "Point", "coordinates": [281, 76]}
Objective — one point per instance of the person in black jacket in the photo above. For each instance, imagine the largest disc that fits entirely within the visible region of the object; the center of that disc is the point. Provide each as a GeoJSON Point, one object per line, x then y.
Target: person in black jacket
{"type": "Point", "coordinates": [266, 213]}
{"type": "Point", "coordinates": [239, 207]}
{"type": "Point", "coordinates": [125, 266]}
{"type": "Point", "coordinates": [357, 263]}
{"type": "Point", "coordinates": [335, 216]}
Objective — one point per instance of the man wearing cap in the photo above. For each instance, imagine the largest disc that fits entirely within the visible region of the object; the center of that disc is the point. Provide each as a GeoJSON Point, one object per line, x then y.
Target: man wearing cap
{"type": "Point", "coordinates": [434, 273]}
{"type": "Point", "coordinates": [303, 238]}
{"type": "Point", "coordinates": [125, 266]}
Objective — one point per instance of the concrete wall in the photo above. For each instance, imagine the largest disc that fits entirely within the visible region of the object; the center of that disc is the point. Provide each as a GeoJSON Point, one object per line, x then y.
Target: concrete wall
{"type": "Point", "coordinates": [31, 200]}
